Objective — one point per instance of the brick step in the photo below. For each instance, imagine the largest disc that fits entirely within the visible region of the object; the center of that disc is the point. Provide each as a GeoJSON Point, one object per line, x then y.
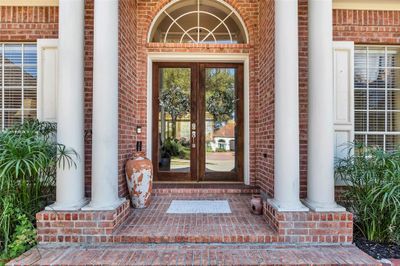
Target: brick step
{"type": "Point", "coordinates": [195, 254]}
{"type": "Point", "coordinates": [163, 189]}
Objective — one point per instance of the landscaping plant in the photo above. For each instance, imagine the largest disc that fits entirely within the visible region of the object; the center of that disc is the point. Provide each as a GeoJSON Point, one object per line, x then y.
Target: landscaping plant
{"type": "Point", "coordinates": [29, 156]}
{"type": "Point", "coordinates": [372, 176]}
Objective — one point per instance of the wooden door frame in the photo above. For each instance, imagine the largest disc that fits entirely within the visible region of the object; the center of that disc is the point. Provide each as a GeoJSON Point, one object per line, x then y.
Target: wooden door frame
{"type": "Point", "coordinates": [239, 143]}
{"type": "Point", "coordinates": [197, 158]}
{"type": "Point", "coordinates": [190, 176]}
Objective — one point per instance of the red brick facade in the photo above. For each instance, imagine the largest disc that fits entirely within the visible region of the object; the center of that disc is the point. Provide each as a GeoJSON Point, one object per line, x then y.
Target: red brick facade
{"type": "Point", "coordinates": [310, 227]}
{"type": "Point", "coordinates": [363, 27]}
{"type": "Point", "coordinates": [80, 226]}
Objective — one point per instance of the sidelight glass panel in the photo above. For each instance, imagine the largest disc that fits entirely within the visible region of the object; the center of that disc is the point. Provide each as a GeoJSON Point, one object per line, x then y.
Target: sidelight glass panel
{"type": "Point", "coordinates": [174, 119]}
{"type": "Point", "coordinates": [221, 133]}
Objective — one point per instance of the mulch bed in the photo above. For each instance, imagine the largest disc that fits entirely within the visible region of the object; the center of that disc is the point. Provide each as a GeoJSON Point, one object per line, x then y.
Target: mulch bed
{"type": "Point", "coordinates": [377, 250]}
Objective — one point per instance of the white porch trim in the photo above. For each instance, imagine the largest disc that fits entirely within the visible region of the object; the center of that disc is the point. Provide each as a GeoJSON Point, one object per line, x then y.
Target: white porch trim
{"type": "Point", "coordinates": [201, 57]}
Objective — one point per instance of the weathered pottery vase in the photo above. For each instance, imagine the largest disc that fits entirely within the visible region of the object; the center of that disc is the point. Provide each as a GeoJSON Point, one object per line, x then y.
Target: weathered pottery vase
{"type": "Point", "coordinates": [139, 177]}
{"type": "Point", "coordinates": [256, 205]}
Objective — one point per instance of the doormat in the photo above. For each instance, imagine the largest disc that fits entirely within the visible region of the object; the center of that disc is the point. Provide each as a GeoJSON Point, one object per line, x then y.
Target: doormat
{"type": "Point", "coordinates": [199, 206]}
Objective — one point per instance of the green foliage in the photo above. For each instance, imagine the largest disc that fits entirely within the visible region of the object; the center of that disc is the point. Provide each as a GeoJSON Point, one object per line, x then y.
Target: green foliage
{"type": "Point", "coordinates": [373, 191]}
{"type": "Point", "coordinates": [173, 148]}
{"type": "Point", "coordinates": [220, 95]}
{"type": "Point", "coordinates": [175, 93]}
{"type": "Point", "coordinates": [29, 156]}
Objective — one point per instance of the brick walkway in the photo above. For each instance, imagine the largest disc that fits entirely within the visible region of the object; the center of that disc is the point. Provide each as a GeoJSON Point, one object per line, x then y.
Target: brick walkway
{"type": "Point", "coordinates": [154, 225]}
{"type": "Point", "coordinates": [196, 254]}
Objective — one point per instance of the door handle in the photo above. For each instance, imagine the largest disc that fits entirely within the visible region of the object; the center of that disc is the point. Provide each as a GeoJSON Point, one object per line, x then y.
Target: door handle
{"type": "Point", "coordinates": [193, 139]}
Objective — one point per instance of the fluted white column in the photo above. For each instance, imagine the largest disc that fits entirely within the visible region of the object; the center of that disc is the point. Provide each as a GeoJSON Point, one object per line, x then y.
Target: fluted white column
{"type": "Point", "coordinates": [287, 180]}
{"type": "Point", "coordinates": [105, 107]}
{"type": "Point", "coordinates": [320, 180]}
{"type": "Point", "coordinates": [70, 113]}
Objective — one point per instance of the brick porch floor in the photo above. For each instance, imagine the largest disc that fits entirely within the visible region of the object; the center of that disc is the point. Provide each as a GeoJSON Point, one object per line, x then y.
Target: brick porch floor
{"type": "Point", "coordinates": [153, 237]}
{"type": "Point", "coordinates": [195, 254]}
{"type": "Point", "coordinates": [154, 225]}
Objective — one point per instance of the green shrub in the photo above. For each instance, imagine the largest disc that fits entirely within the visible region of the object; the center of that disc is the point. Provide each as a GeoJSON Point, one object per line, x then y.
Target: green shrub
{"type": "Point", "coordinates": [373, 191]}
{"type": "Point", "coordinates": [29, 156]}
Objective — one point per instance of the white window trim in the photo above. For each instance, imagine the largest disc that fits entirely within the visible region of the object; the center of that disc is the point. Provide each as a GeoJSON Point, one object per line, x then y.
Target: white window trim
{"type": "Point", "coordinates": [201, 57]}
{"type": "Point", "coordinates": [163, 11]}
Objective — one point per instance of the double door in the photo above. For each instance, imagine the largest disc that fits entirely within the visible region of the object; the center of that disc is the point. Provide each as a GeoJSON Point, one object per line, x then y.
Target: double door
{"type": "Point", "coordinates": [198, 121]}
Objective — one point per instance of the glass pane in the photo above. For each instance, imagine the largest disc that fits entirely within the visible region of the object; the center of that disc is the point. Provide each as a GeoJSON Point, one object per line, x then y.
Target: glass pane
{"type": "Point", "coordinates": [12, 97]}
{"type": "Point", "coordinates": [376, 57]}
{"type": "Point", "coordinates": [376, 78]}
{"type": "Point", "coordinates": [393, 121]}
{"type": "Point", "coordinates": [360, 77]}
{"type": "Point", "coordinates": [13, 54]}
{"type": "Point", "coordinates": [30, 56]}
{"type": "Point", "coordinates": [393, 100]}
{"type": "Point", "coordinates": [393, 57]}
{"type": "Point", "coordinates": [392, 142]}
{"type": "Point", "coordinates": [201, 20]}
{"type": "Point", "coordinates": [393, 78]}
{"type": "Point", "coordinates": [12, 118]}
{"type": "Point", "coordinates": [360, 99]}
{"type": "Point", "coordinates": [220, 119]}
{"type": "Point", "coordinates": [29, 114]}
{"type": "Point", "coordinates": [377, 121]}
{"type": "Point", "coordinates": [361, 121]}
{"type": "Point", "coordinates": [375, 140]}
{"type": "Point", "coordinates": [174, 119]}
{"type": "Point", "coordinates": [377, 100]}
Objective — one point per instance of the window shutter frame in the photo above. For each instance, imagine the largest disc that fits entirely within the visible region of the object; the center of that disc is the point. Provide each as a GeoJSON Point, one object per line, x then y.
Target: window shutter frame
{"type": "Point", "coordinates": [343, 97]}
{"type": "Point", "coordinates": [47, 79]}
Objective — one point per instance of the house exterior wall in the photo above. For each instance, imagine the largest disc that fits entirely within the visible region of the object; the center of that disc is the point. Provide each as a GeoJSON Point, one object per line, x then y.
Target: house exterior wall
{"type": "Point", "coordinates": [248, 10]}
{"type": "Point", "coordinates": [20, 24]}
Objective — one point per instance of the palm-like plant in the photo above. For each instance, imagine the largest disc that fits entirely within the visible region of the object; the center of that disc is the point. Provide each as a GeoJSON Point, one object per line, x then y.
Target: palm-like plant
{"type": "Point", "coordinates": [29, 156]}
{"type": "Point", "coordinates": [373, 191]}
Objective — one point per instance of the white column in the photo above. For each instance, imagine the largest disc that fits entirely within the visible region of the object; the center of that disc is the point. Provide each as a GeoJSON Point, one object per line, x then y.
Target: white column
{"type": "Point", "coordinates": [70, 104]}
{"type": "Point", "coordinates": [320, 180]}
{"type": "Point", "coordinates": [287, 180]}
{"type": "Point", "coordinates": [105, 107]}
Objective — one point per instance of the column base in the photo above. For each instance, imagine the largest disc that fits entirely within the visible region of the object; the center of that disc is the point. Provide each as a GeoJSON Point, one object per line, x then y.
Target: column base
{"type": "Point", "coordinates": [318, 207]}
{"type": "Point", "coordinates": [104, 207]}
{"type": "Point", "coordinates": [293, 207]}
{"type": "Point", "coordinates": [63, 207]}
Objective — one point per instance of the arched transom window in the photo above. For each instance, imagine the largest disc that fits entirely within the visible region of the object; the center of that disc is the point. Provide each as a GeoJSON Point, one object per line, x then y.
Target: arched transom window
{"type": "Point", "coordinates": [198, 21]}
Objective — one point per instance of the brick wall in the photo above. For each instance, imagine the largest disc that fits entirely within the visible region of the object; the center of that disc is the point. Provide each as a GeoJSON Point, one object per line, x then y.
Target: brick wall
{"type": "Point", "coordinates": [265, 113]}
{"type": "Point", "coordinates": [309, 226]}
{"type": "Point", "coordinates": [88, 79]}
{"type": "Point", "coordinates": [28, 23]}
{"type": "Point", "coordinates": [366, 27]}
{"type": "Point", "coordinates": [128, 96]}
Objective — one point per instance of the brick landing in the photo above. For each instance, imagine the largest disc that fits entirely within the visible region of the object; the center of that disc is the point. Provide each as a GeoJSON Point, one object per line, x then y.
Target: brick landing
{"type": "Point", "coordinates": [154, 225]}
{"type": "Point", "coordinates": [195, 254]}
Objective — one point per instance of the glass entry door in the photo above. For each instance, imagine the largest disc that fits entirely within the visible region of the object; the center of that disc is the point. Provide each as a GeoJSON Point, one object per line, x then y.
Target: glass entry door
{"type": "Point", "coordinates": [198, 122]}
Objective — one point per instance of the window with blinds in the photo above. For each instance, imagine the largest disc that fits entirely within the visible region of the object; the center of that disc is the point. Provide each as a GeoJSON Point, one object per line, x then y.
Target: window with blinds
{"type": "Point", "coordinates": [18, 83]}
{"type": "Point", "coordinates": [377, 96]}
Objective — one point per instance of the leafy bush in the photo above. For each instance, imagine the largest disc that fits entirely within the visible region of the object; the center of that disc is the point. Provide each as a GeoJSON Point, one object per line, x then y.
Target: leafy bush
{"type": "Point", "coordinates": [29, 156]}
{"type": "Point", "coordinates": [173, 148]}
{"type": "Point", "coordinates": [373, 191]}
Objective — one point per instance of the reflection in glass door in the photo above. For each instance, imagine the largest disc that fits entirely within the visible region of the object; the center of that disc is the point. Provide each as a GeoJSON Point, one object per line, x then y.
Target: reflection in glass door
{"type": "Point", "coordinates": [222, 114]}
{"type": "Point", "coordinates": [174, 113]}
{"type": "Point", "coordinates": [197, 122]}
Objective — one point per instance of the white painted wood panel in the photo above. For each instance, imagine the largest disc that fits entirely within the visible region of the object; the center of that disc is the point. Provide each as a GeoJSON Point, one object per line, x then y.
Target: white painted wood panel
{"type": "Point", "coordinates": [47, 52]}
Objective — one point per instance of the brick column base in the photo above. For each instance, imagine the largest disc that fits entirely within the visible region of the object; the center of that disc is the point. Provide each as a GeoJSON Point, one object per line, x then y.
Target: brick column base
{"type": "Point", "coordinates": [310, 227]}
{"type": "Point", "coordinates": [80, 226]}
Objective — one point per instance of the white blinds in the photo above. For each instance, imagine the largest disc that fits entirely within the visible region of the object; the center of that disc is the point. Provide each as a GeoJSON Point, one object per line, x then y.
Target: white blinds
{"type": "Point", "coordinates": [18, 83]}
{"type": "Point", "coordinates": [377, 96]}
